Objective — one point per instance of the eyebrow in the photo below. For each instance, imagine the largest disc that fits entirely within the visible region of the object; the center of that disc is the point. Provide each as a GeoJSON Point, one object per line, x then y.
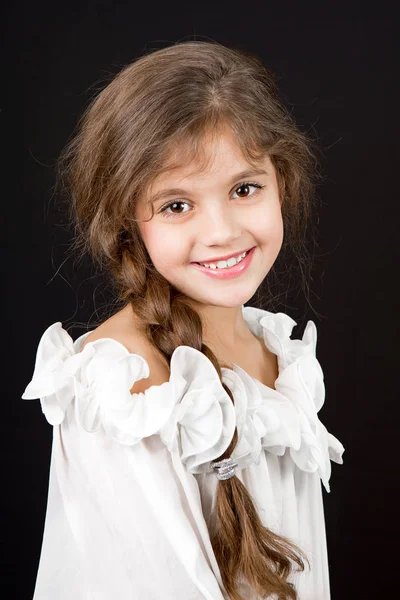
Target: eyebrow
{"type": "Point", "coordinates": [182, 192]}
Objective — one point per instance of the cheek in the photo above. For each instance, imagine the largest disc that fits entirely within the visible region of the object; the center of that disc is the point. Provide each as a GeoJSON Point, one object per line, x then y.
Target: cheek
{"type": "Point", "coordinates": [164, 247]}
{"type": "Point", "coordinates": [268, 223]}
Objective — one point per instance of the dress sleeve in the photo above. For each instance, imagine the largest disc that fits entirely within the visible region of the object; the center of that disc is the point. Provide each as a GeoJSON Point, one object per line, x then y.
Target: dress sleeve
{"type": "Point", "coordinates": [124, 516]}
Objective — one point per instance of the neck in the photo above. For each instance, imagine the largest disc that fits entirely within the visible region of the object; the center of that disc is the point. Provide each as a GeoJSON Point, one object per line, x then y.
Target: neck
{"type": "Point", "coordinates": [224, 327]}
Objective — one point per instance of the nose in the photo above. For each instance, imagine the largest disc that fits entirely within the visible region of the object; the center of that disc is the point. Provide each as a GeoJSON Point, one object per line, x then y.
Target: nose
{"type": "Point", "coordinates": [219, 225]}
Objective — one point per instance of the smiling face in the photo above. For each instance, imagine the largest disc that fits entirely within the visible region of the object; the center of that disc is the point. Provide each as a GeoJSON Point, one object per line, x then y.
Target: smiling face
{"type": "Point", "coordinates": [215, 212]}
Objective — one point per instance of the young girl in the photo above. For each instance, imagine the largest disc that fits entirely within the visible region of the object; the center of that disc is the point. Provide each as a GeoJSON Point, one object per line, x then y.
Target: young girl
{"type": "Point", "coordinates": [187, 454]}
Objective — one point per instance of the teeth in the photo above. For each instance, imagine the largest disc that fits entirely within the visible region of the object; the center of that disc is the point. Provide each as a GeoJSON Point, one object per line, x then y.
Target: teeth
{"type": "Point", "coordinates": [225, 264]}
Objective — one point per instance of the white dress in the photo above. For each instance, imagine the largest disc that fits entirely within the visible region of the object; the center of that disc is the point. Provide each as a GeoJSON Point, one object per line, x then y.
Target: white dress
{"type": "Point", "coordinates": [131, 492]}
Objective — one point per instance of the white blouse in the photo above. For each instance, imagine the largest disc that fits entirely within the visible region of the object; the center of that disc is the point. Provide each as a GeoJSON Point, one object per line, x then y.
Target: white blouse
{"type": "Point", "coordinates": [131, 491]}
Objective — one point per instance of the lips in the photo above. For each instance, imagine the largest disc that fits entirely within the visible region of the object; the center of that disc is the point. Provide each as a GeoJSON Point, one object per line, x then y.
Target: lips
{"type": "Point", "coordinates": [230, 272]}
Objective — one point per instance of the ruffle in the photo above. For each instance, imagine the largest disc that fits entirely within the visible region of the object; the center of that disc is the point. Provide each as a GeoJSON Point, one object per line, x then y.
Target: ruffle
{"type": "Point", "coordinates": [191, 409]}
{"type": "Point", "coordinates": [192, 412]}
{"type": "Point", "coordinates": [294, 404]}
{"type": "Point", "coordinates": [55, 370]}
{"type": "Point", "coordinates": [203, 419]}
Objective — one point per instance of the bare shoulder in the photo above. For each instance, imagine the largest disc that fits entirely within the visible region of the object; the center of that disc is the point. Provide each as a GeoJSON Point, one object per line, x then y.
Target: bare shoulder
{"type": "Point", "coordinates": [123, 327]}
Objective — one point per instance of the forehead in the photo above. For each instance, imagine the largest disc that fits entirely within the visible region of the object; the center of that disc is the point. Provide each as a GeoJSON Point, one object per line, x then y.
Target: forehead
{"type": "Point", "coordinates": [216, 153]}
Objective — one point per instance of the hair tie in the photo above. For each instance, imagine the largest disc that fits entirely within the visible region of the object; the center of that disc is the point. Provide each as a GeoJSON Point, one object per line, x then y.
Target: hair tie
{"type": "Point", "coordinates": [225, 468]}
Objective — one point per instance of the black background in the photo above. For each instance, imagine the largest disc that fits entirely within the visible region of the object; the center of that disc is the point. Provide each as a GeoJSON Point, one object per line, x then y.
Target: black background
{"type": "Point", "coordinates": [338, 66]}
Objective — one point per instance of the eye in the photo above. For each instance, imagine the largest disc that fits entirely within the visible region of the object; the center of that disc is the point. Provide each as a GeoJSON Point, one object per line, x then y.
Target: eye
{"type": "Point", "coordinates": [244, 187]}
{"type": "Point", "coordinates": [170, 205]}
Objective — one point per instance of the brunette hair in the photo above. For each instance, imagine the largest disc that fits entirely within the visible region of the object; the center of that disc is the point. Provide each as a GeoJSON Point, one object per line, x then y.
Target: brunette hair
{"type": "Point", "coordinates": [165, 100]}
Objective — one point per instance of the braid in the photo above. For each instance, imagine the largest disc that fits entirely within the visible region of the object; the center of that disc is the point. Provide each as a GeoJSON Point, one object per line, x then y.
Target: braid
{"type": "Point", "coordinates": [243, 547]}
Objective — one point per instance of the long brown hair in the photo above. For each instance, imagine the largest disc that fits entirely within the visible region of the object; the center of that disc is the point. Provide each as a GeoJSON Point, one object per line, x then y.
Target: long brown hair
{"type": "Point", "coordinates": [165, 100]}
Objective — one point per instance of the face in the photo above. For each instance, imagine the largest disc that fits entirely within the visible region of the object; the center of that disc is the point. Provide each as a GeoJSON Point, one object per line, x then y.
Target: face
{"type": "Point", "coordinates": [215, 213]}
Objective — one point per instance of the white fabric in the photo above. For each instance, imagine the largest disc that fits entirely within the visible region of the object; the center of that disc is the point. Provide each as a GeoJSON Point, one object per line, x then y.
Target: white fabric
{"type": "Point", "coordinates": [131, 493]}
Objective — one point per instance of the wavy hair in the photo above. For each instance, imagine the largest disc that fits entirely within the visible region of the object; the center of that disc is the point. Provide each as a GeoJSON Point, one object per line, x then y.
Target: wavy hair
{"type": "Point", "coordinates": [167, 99]}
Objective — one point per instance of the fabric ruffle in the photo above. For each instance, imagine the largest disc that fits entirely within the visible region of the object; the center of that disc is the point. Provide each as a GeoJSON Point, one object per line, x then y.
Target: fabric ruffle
{"type": "Point", "coordinates": [192, 412]}
{"type": "Point", "coordinates": [203, 418]}
{"type": "Point", "coordinates": [298, 396]}
{"type": "Point", "coordinates": [55, 370]}
{"type": "Point", "coordinates": [192, 406]}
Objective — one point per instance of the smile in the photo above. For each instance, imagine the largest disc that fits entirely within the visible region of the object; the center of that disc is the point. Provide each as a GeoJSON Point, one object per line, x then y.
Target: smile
{"type": "Point", "coordinates": [227, 269]}
{"type": "Point", "coordinates": [223, 264]}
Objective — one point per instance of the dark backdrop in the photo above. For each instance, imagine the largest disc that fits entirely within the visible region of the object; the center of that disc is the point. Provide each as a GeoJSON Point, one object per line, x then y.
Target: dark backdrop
{"type": "Point", "coordinates": [337, 66]}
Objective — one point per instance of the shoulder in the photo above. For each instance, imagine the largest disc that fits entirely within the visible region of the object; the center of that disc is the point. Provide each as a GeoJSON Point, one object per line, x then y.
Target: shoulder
{"type": "Point", "coordinates": [94, 387]}
{"type": "Point", "coordinates": [123, 327]}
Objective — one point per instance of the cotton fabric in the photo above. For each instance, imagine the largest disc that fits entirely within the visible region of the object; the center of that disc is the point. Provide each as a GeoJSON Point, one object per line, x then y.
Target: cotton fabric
{"type": "Point", "coordinates": [131, 491]}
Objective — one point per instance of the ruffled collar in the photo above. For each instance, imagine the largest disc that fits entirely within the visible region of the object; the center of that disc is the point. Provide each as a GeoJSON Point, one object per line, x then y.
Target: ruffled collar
{"type": "Point", "coordinates": [192, 412]}
{"type": "Point", "coordinates": [287, 416]}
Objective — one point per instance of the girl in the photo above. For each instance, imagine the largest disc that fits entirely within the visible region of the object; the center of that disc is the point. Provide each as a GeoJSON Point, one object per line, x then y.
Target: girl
{"type": "Point", "coordinates": [187, 453]}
